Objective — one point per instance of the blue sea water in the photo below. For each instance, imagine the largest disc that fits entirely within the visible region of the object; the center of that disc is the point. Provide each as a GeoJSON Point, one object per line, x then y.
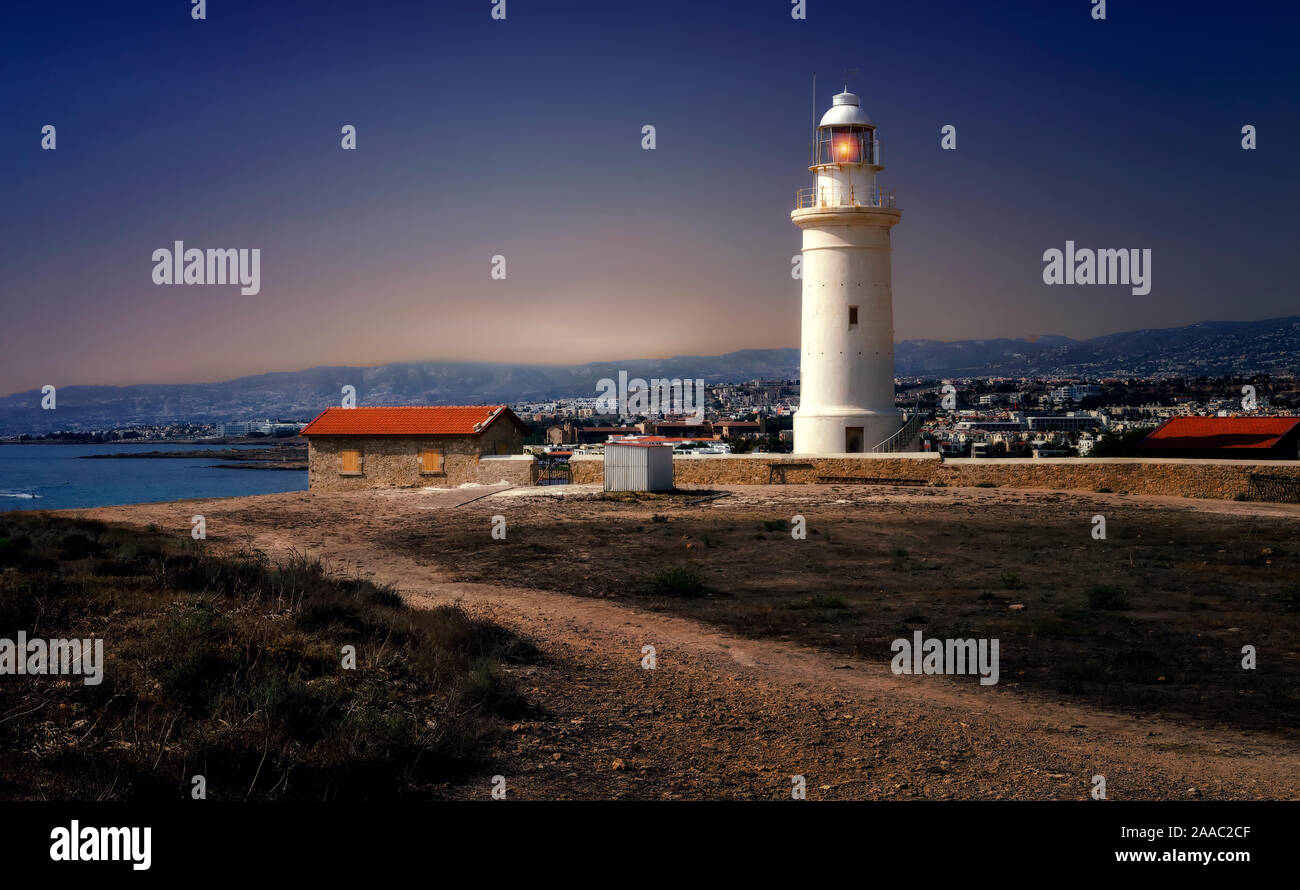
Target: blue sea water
{"type": "Point", "coordinates": [52, 477]}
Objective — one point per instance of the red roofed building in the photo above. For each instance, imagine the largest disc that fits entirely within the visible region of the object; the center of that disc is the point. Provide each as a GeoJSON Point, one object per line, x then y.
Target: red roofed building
{"type": "Point", "coordinates": [438, 446]}
{"type": "Point", "coordinates": [1226, 438]}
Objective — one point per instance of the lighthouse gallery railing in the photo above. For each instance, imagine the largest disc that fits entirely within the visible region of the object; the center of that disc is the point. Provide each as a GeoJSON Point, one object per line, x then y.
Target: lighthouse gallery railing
{"type": "Point", "coordinates": [823, 196]}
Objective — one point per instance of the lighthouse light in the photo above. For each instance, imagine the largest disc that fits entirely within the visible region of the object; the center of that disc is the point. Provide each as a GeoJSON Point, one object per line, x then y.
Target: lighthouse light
{"type": "Point", "coordinates": [843, 145]}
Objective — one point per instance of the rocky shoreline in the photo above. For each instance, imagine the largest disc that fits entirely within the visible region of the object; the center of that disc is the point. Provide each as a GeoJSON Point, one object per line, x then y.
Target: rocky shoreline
{"type": "Point", "coordinates": [275, 458]}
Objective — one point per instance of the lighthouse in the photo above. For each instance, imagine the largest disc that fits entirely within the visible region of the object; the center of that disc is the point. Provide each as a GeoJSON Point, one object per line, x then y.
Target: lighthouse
{"type": "Point", "coordinates": [846, 351]}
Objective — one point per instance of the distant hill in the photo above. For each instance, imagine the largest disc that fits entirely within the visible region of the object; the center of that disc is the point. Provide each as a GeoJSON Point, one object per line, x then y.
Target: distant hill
{"type": "Point", "coordinates": [1208, 348]}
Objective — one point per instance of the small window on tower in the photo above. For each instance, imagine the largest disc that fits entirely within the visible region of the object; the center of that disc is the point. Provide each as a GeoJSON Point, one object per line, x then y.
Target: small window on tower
{"type": "Point", "coordinates": [853, 317]}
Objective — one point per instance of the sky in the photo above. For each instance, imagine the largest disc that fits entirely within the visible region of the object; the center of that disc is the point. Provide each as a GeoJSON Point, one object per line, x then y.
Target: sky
{"type": "Point", "coordinates": [522, 138]}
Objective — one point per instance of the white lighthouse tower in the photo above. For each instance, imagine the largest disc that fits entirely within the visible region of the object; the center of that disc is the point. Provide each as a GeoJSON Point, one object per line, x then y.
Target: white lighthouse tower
{"type": "Point", "coordinates": [846, 401]}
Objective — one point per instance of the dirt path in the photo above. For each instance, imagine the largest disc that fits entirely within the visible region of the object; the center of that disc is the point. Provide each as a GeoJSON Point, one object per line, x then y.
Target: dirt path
{"type": "Point", "coordinates": [726, 717]}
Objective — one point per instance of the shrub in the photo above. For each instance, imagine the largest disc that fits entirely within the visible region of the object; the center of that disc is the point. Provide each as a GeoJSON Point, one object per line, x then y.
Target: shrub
{"type": "Point", "coordinates": [821, 601]}
{"type": "Point", "coordinates": [682, 580]}
{"type": "Point", "coordinates": [1107, 597]}
{"type": "Point", "coordinates": [830, 601]}
{"type": "Point", "coordinates": [75, 545]}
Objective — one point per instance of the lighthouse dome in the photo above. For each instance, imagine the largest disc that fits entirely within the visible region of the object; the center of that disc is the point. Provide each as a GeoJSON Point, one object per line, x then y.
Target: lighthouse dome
{"type": "Point", "coordinates": [845, 111]}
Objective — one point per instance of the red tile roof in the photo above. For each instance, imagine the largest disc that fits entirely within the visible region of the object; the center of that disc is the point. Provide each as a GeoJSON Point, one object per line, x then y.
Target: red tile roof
{"type": "Point", "coordinates": [439, 420]}
{"type": "Point", "coordinates": [1203, 433]}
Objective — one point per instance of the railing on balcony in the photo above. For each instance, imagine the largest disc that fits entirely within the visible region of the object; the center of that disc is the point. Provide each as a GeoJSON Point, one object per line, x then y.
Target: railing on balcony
{"type": "Point", "coordinates": [830, 196]}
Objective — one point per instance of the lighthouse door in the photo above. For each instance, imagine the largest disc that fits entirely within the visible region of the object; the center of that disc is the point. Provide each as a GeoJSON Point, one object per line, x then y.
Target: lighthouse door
{"type": "Point", "coordinates": [853, 439]}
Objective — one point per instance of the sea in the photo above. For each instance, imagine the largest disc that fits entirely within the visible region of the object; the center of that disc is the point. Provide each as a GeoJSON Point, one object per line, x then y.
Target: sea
{"type": "Point", "coordinates": [52, 477]}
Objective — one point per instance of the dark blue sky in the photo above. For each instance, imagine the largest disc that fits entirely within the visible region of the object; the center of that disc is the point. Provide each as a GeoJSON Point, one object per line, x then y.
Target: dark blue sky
{"type": "Point", "coordinates": [522, 138]}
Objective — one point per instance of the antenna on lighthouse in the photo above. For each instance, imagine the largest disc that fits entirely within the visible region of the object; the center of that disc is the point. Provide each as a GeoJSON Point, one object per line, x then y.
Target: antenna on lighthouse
{"type": "Point", "coordinates": [847, 72]}
{"type": "Point", "coordinates": [813, 132]}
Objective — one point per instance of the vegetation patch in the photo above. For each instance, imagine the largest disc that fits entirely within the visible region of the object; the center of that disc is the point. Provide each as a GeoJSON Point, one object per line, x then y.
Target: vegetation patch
{"type": "Point", "coordinates": [678, 580]}
{"type": "Point", "coordinates": [232, 667]}
{"type": "Point", "coordinates": [1107, 597]}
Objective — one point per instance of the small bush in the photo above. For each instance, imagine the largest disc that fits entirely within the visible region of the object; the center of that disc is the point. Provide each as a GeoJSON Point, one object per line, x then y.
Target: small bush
{"type": "Point", "coordinates": [683, 580]}
{"type": "Point", "coordinates": [386, 595]}
{"type": "Point", "coordinates": [1009, 580]}
{"type": "Point", "coordinates": [76, 546]}
{"type": "Point", "coordinates": [1107, 597]}
{"type": "Point", "coordinates": [986, 485]}
{"type": "Point", "coordinates": [486, 686]}
{"type": "Point", "coordinates": [830, 601]}
{"type": "Point", "coordinates": [820, 601]}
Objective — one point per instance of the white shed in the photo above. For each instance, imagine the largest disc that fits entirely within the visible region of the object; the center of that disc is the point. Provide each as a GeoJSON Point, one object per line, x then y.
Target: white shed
{"type": "Point", "coordinates": [638, 466]}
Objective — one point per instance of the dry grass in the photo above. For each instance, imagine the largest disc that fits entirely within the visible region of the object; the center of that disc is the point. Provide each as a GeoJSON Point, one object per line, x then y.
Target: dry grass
{"type": "Point", "coordinates": [231, 668]}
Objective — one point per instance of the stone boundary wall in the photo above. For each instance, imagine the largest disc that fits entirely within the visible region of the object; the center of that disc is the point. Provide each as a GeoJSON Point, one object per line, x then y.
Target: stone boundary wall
{"type": "Point", "coordinates": [1177, 477]}
{"type": "Point", "coordinates": [516, 469]}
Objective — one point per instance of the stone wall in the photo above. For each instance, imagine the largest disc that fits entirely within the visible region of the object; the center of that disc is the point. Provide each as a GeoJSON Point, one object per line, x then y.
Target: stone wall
{"type": "Point", "coordinates": [1219, 479]}
{"type": "Point", "coordinates": [394, 461]}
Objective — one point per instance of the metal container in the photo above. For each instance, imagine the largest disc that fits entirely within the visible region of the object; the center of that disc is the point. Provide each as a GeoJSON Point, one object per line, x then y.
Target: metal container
{"type": "Point", "coordinates": [636, 466]}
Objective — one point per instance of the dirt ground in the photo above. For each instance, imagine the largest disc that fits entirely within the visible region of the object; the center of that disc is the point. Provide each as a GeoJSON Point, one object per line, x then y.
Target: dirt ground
{"type": "Point", "coordinates": [781, 668]}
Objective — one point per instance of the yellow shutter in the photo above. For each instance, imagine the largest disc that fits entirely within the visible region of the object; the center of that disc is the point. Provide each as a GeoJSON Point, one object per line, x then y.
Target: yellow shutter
{"type": "Point", "coordinates": [430, 461]}
{"type": "Point", "coordinates": [351, 461]}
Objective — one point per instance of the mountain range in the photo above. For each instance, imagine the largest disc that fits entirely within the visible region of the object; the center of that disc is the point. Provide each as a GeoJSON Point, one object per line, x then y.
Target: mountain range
{"type": "Point", "coordinates": [1206, 349]}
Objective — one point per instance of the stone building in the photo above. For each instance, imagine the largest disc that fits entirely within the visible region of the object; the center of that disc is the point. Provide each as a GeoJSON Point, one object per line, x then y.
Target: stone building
{"type": "Point", "coordinates": [568, 434]}
{"type": "Point", "coordinates": [739, 429]}
{"type": "Point", "coordinates": [440, 447]}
